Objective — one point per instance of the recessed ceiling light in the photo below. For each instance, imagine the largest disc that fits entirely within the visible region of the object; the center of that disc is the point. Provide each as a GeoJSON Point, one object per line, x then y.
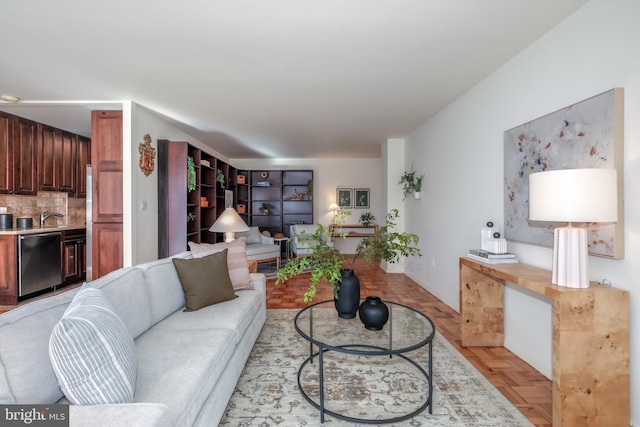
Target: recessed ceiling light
{"type": "Point", "coordinates": [10, 98]}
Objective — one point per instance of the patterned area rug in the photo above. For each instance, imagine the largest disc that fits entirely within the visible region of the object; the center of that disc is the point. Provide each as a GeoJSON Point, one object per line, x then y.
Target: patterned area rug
{"type": "Point", "coordinates": [267, 393]}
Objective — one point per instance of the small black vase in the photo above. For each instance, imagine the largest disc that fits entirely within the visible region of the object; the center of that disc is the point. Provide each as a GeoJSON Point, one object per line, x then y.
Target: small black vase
{"type": "Point", "coordinates": [348, 294]}
{"type": "Point", "coordinates": [374, 313]}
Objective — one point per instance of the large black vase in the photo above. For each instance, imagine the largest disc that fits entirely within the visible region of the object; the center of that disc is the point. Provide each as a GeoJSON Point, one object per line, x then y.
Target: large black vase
{"type": "Point", "coordinates": [348, 298]}
{"type": "Point", "coordinates": [374, 313]}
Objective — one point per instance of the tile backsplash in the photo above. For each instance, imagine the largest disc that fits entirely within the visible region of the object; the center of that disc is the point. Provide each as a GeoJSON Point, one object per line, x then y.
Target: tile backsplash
{"type": "Point", "coordinates": [73, 209]}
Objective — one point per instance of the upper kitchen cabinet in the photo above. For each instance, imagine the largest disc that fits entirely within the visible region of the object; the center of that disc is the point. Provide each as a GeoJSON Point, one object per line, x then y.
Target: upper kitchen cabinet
{"type": "Point", "coordinates": [56, 159]}
{"type": "Point", "coordinates": [6, 150]}
{"type": "Point", "coordinates": [18, 144]}
{"type": "Point", "coordinates": [83, 158]}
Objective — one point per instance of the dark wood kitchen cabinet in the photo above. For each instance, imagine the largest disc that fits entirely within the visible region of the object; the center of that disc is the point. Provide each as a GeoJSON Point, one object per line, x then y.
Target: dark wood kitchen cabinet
{"type": "Point", "coordinates": [25, 156]}
{"type": "Point", "coordinates": [73, 256]}
{"type": "Point", "coordinates": [83, 158]}
{"type": "Point", "coordinates": [8, 270]}
{"type": "Point", "coordinates": [56, 159]}
{"type": "Point", "coordinates": [107, 190]}
{"type": "Point", "coordinates": [18, 145]}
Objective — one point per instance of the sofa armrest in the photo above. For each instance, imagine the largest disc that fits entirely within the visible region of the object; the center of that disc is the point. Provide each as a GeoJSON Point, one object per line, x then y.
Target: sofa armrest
{"type": "Point", "coordinates": [133, 414]}
{"type": "Point", "coordinates": [267, 240]}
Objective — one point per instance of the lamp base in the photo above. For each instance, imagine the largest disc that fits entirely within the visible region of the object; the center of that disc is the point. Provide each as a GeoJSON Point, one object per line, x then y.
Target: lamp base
{"type": "Point", "coordinates": [570, 257]}
{"type": "Point", "coordinates": [229, 236]}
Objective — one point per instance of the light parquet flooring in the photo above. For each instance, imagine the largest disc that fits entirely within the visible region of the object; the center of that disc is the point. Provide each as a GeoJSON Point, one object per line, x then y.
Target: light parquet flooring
{"type": "Point", "coordinates": [522, 385]}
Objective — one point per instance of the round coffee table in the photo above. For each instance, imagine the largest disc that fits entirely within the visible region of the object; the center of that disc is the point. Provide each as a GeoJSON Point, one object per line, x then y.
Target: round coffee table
{"type": "Point", "coordinates": [406, 331]}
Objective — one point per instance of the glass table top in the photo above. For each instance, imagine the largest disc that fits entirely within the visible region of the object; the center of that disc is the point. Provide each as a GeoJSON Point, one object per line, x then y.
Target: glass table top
{"type": "Point", "coordinates": [406, 330]}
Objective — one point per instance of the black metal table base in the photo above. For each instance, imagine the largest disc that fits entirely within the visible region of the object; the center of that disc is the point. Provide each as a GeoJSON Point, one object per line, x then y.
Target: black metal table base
{"type": "Point", "coordinates": [350, 349]}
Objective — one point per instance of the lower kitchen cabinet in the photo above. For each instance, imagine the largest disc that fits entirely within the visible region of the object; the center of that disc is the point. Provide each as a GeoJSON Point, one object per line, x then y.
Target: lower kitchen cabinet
{"type": "Point", "coordinates": [73, 256]}
{"type": "Point", "coordinates": [8, 270]}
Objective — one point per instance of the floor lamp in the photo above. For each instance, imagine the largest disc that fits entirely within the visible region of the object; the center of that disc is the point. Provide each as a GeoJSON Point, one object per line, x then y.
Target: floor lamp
{"type": "Point", "coordinates": [229, 223]}
{"type": "Point", "coordinates": [573, 195]}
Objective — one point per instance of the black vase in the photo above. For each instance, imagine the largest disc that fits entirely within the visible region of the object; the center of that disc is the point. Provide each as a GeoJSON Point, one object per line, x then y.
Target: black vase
{"type": "Point", "coordinates": [374, 313]}
{"type": "Point", "coordinates": [348, 295]}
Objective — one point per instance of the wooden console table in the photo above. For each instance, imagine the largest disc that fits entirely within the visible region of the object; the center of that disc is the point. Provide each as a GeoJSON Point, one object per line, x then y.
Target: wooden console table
{"type": "Point", "coordinates": [590, 366]}
{"type": "Point", "coordinates": [358, 233]}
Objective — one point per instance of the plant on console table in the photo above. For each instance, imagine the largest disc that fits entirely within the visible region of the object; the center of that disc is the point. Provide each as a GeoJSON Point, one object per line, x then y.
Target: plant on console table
{"type": "Point", "coordinates": [327, 263]}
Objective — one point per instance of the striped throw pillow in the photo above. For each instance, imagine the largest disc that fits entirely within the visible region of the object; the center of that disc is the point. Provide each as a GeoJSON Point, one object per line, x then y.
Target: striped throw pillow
{"type": "Point", "coordinates": [92, 353]}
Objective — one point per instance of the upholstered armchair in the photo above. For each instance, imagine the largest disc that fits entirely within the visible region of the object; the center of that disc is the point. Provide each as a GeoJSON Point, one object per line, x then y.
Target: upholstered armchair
{"type": "Point", "coordinates": [260, 247]}
{"type": "Point", "coordinates": [300, 246]}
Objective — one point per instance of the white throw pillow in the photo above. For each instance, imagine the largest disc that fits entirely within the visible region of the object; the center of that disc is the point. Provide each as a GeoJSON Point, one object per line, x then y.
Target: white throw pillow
{"type": "Point", "coordinates": [92, 352]}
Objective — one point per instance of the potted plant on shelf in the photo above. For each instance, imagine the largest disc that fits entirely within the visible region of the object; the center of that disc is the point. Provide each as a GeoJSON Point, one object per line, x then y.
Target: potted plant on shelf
{"type": "Point", "coordinates": [366, 219]}
{"type": "Point", "coordinates": [411, 184]}
{"type": "Point", "coordinates": [327, 263]}
{"type": "Point", "coordinates": [265, 208]}
{"type": "Point", "coordinates": [220, 178]}
{"type": "Point", "coordinates": [309, 189]}
{"type": "Point", "coordinates": [191, 174]}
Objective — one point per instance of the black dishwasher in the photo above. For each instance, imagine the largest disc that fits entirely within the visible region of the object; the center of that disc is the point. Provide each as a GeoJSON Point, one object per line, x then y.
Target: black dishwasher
{"type": "Point", "coordinates": [39, 262]}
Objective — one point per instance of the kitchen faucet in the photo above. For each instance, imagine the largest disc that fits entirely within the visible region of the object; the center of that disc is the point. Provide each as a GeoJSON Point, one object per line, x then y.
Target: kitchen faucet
{"type": "Point", "coordinates": [44, 215]}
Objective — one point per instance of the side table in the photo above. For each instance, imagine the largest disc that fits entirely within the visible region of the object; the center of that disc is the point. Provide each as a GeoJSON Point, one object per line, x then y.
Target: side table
{"type": "Point", "coordinates": [280, 240]}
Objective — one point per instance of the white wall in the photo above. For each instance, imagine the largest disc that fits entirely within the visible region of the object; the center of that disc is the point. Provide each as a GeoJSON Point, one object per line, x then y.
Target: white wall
{"type": "Point", "coordinates": [461, 152]}
{"type": "Point", "coordinates": [328, 174]}
{"type": "Point", "coordinates": [141, 226]}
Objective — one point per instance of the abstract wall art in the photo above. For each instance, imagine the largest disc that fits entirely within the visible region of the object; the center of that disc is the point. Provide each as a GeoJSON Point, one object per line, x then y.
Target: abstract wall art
{"type": "Point", "coordinates": [588, 134]}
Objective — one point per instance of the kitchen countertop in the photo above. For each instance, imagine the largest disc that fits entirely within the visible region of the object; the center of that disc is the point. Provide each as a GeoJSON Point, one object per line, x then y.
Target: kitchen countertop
{"type": "Point", "coordinates": [45, 229]}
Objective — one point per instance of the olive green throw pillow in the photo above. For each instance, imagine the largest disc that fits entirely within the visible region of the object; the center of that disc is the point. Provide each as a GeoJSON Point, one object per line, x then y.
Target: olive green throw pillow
{"type": "Point", "coordinates": [205, 281]}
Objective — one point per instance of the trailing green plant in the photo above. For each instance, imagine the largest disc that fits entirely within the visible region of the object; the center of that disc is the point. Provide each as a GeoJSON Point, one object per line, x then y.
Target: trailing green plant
{"type": "Point", "coordinates": [310, 188]}
{"type": "Point", "coordinates": [220, 178]}
{"type": "Point", "coordinates": [325, 262]}
{"type": "Point", "coordinates": [411, 183]}
{"type": "Point", "coordinates": [366, 219]}
{"type": "Point", "coordinates": [190, 216]}
{"type": "Point", "coordinates": [191, 174]}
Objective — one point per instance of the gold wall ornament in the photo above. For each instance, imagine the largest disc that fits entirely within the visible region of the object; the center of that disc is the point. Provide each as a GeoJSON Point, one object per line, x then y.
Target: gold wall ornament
{"type": "Point", "coordinates": [147, 155]}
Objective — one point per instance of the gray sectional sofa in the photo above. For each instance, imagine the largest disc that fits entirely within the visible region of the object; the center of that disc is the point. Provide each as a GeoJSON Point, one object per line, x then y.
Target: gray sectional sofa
{"type": "Point", "coordinates": [188, 363]}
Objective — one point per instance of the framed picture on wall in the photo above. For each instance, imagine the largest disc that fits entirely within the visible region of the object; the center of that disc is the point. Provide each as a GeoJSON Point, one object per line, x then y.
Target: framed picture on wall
{"type": "Point", "coordinates": [344, 198]}
{"type": "Point", "coordinates": [361, 198]}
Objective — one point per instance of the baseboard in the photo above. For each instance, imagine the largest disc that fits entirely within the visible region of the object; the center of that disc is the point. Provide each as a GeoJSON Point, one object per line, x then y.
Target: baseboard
{"type": "Point", "coordinates": [453, 304]}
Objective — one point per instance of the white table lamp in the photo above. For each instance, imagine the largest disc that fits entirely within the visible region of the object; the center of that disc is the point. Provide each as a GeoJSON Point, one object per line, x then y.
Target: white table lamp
{"type": "Point", "coordinates": [573, 195]}
{"type": "Point", "coordinates": [229, 223]}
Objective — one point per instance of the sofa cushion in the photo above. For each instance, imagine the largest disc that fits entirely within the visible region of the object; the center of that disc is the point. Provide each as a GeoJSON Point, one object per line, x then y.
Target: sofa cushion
{"type": "Point", "coordinates": [236, 259]}
{"type": "Point", "coordinates": [235, 315]}
{"type": "Point", "coordinates": [92, 352]}
{"type": "Point", "coordinates": [26, 374]}
{"type": "Point", "coordinates": [127, 291]}
{"type": "Point", "coordinates": [180, 368]}
{"type": "Point", "coordinates": [252, 237]}
{"type": "Point", "coordinates": [205, 280]}
{"type": "Point", "coordinates": [164, 288]}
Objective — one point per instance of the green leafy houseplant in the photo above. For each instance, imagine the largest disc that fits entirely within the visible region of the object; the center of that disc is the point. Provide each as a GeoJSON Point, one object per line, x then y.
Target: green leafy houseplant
{"type": "Point", "coordinates": [326, 262]}
{"type": "Point", "coordinates": [411, 183]}
{"type": "Point", "coordinates": [366, 219]}
{"type": "Point", "coordinates": [220, 178]}
{"type": "Point", "coordinates": [265, 208]}
{"type": "Point", "coordinates": [191, 174]}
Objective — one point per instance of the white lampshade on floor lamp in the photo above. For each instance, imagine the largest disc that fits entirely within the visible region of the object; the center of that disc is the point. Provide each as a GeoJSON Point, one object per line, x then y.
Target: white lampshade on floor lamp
{"type": "Point", "coordinates": [229, 223]}
{"type": "Point", "coordinates": [573, 195]}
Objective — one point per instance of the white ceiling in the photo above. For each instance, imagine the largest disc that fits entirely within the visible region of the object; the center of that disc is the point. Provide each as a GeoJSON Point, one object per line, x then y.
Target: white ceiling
{"type": "Point", "coordinates": [264, 78]}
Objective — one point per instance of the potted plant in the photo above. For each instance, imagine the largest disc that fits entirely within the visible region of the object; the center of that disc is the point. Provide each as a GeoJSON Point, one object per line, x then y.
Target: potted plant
{"type": "Point", "coordinates": [309, 189]}
{"type": "Point", "coordinates": [265, 208]}
{"type": "Point", "coordinates": [366, 219]}
{"type": "Point", "coordinates": [411, 184]}
{"type": "Point", "coordinates": [326, 262]}
{"type": "Point", "coordinates": [191, 174]}
{"type": "Point", "coordinates": [220, 178]}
